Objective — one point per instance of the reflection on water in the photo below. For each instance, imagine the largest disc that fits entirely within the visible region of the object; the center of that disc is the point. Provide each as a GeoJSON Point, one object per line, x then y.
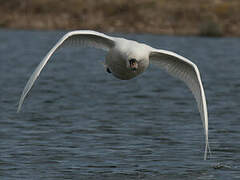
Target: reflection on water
{"type": "Point", "coordinates": [79, 121]}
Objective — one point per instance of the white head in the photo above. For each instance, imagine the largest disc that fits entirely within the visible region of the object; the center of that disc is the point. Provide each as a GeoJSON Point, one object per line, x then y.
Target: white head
{"type": "Point", "coordinates": [128, 60]}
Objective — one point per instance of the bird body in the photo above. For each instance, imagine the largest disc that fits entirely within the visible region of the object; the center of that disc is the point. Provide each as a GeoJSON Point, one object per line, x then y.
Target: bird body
{"type": "Point", "coordinates": [127, 59]}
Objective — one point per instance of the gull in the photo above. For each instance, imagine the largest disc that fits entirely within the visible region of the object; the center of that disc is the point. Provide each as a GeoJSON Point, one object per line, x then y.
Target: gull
{"type": "Point", "coordinates": [126, 59]}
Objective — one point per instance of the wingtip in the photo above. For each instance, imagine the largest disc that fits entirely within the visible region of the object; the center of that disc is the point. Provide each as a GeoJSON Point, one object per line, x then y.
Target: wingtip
{"type": "Point", "coordinates": [205, 153]}
{"type": "Point", "coordinates": [19, 108]}
{"type": "Point", "coordinates": [207, 150]}
{"type": "Point", "coordinates": [20, 104]}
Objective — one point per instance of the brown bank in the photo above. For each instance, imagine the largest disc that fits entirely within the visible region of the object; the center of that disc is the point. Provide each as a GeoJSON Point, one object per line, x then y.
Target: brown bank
{"type": "Point", "coordinates": [173, 17]}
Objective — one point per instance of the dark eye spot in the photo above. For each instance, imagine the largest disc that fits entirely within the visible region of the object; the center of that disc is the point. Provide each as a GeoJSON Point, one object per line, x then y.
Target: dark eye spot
{"type": "Point", "coordinates": [108, 70]}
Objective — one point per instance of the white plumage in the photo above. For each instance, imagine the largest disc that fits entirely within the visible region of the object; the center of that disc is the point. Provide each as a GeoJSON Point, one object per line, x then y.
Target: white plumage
{"type": "Point", "coordinates": [122, 55]}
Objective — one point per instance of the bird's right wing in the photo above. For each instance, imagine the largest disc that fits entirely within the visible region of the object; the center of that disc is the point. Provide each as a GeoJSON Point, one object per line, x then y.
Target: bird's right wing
{"type": "Point", "coordinates": [82, 38]}
{"type": "Point", "coordinates": [185, 70]}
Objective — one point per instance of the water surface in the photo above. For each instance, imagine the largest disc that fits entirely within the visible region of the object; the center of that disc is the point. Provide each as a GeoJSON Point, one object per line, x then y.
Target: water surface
{"type": "Point", "coordinates": [79, 122]}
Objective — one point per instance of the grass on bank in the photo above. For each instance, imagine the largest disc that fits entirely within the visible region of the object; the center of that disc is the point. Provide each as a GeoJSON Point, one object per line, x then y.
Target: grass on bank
{"type": "Point", "coordinates": [185, 17]}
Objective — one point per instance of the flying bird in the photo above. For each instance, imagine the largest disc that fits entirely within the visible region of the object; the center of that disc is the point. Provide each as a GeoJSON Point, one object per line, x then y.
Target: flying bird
{"type": "Point", "coordinates": [126, 59]}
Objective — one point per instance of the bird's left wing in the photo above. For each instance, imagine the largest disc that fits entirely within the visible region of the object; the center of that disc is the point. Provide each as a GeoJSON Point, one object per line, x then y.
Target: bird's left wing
{"type": "Point", "coordinates": [185, 70]}
{"type": "Point", "coordinates": [82, 38]}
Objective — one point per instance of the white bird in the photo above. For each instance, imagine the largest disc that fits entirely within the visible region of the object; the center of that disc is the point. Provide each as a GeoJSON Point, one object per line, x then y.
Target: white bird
{"type": "Point", "coordinates": [127, 59]}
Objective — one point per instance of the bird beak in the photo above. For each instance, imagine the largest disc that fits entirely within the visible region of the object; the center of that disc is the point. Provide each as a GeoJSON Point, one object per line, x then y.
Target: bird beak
{"type": "Point", "coordinates": [133, 64]}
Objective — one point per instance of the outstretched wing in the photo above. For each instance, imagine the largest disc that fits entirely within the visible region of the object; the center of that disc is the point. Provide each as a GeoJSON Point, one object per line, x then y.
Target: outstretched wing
{"type": "Point", "coordinates": [83, 38]}
{"type": "Point", "coordinates": [188, 72]}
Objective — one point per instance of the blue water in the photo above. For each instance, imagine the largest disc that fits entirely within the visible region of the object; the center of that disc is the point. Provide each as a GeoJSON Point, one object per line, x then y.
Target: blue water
{"type": "Point", "coordinates": [80, 122]}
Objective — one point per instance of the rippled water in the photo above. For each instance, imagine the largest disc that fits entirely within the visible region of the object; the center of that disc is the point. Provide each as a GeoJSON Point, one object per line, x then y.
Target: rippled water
{"type": "Point", "coordinates": [79, 122]}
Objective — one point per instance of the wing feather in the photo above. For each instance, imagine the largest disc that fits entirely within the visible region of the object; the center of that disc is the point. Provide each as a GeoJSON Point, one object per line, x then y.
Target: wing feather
{"type": "Point", "coordinates": [83, 38]}
{"type": "Point", "coordinates": [188, 72]}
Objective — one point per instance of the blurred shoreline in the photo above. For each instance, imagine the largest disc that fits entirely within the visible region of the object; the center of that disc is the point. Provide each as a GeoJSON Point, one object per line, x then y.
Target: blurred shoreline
{"type": "Point", "coordinates": [169, 17]}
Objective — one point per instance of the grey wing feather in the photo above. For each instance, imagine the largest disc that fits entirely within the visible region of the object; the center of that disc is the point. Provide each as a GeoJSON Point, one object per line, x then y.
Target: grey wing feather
{"type": "Point", "coordinates": [83, 38]}
{"type": "Point", "coordinates": [188, 72]}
